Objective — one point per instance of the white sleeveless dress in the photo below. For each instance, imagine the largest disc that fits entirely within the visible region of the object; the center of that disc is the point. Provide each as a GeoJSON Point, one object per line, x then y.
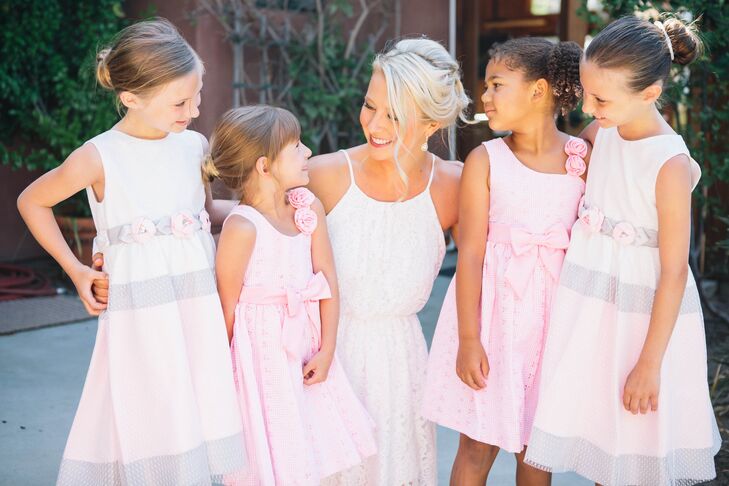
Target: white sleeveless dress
{"type": "Point", "coordinates": [387, 256]}
{"type": "Point", "coordinates": [600, 318]}
{"type": "Point", "coordinates": [159, 404]}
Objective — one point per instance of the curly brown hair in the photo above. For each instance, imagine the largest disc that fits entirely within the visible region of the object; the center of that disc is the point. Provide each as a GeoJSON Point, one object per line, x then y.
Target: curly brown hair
{"type": "Point", "coordinates": [538, 58]}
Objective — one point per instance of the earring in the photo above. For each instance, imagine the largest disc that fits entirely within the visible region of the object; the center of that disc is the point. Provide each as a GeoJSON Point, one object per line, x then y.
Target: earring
{"type": "Point", "coordinates": [424, 147]}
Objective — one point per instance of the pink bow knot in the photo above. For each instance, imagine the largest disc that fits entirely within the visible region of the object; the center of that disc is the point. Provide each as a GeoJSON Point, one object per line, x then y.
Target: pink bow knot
{"type": "Point", "coordinates": [303, 317]}
{"type": "Point", "coordinates": [301, 329]}
{"type": "Point", "coordinates": [532, 248]}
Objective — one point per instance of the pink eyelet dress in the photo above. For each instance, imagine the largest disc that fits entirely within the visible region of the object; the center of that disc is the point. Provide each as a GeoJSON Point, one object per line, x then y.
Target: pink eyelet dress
{"type": "Point", "coordinates": [530, 214]}
{"type": "Point", "coordinates": [296, 434]}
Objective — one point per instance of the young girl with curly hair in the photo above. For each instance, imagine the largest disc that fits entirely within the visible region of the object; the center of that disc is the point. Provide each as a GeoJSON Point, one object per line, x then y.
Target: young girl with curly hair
{"type": "Point", "coordinates": [518, 201]}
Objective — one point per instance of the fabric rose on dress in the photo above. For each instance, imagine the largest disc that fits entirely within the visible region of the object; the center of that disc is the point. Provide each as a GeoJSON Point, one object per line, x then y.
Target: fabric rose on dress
{"type": "Point", "coordinates": [576, 146]}
{"type": "Point", "coordinates": [575, 165]}
{"type": "Point", "coordinates": [593, 218]}
{"type": "Point", "coordinates": [305, 219]}
{"type": "Point", "coordinates": [183, 224]}
{"type": "Point", "coordinates": [624, 233]}
{"type": "Point", "coordinates": [205, 220]}
{"type": "Point", "coordinates": [143, 229]}
{"type": "Point", "coordinates": [301, 197]}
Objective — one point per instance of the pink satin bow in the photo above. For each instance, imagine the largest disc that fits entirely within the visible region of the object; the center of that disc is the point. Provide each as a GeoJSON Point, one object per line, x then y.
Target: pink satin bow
{"type": "Point", "coordinates": [529, 249]}
{"type": "Point", "coordinates": [302, 322]}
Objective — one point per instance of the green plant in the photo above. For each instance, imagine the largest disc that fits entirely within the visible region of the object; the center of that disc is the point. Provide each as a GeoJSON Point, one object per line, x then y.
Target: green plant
{"type": "Point", "coordinates": [48, 94]}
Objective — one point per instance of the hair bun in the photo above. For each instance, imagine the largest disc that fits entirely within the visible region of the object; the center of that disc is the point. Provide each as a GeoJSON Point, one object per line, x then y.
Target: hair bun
{"type": "Point", "coordinates": [563, 66]}
{"type": "Point", "coordinates": [102, 70]}
{"type": "Point", "coordinates": [209, 171]}
{"type": "Point", "coordinates": [685, 41]}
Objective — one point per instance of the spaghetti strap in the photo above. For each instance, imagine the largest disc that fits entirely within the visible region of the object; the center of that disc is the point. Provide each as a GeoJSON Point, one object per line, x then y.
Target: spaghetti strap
{"type": "Point", "coordinates": [432, 171]}
{"type": "Point", "coordinates": [349, 163]}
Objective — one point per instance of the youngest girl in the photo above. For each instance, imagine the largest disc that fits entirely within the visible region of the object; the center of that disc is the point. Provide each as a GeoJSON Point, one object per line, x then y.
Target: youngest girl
{"type": "Point", "coordinates": [278, 288]}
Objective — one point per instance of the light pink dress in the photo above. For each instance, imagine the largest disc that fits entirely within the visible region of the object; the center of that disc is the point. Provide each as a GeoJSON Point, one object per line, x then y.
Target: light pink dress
{"type": "Point", "coordinates": [159, 405]}
{"type": "Point", "coordinates": [295, 434]}
{"type": "Point", "coordinates": [530, 214]}
{"type": "Point", "coordinates": [600, 319]}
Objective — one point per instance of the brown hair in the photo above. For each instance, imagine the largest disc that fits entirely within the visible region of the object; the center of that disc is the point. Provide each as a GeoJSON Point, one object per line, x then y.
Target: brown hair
{"type": "Point", "coordinates": [538, 58]}
{"type": "Point", "coordinates": [242, 136]}
{"type": "Point", "coordinates": [144, 56]}
{"type": "Point", "coordinates": [640, 47]}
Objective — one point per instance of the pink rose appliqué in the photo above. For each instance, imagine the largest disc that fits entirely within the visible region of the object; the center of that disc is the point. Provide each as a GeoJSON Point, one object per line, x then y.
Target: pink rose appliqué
{"type": "Point", "coordinates": [306, 220]}
{"type": "Point", "coordinates": [575, 165]}
{"type": "Point", "coordinates": [205, 220]}
{"type": "Point", "coordinates": [593, 218]}
{"type": "Point", "coordinates": [143, 229]}
{"type": "Point", "coordinates": [301, 197]}
{"type": "Point", "coordinates": [576, 146]}
{"type": "Point", "coordinates": [624, 233]}
{"type": "Point", "coordinates": [183, 224]}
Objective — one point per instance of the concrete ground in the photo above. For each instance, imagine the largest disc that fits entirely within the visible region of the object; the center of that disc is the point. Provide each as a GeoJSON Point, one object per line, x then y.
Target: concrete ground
{"type": "Point", "coordinates": [41, 376]}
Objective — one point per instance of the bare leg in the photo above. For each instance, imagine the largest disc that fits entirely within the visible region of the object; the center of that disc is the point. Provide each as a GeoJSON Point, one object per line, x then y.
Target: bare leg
{"type": "Point", "coordinates": [527, 475]}
{"type": "Point", "coordinates": [473, 462]}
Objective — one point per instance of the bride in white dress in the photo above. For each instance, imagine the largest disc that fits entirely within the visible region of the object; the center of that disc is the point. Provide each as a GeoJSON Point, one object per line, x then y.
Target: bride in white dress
{"type": "Point", "coordinates": [388, 202]}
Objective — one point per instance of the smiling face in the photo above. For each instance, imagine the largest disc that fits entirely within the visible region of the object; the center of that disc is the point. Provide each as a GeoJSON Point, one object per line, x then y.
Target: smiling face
{"type": "Point", "coordinates": [380, 126]}
{"type": "Point", "coordinates": [507, 97]}
{"type": "Point", "coordinates": [172, 106]}
{"type": "Point", "coordinates": [608, 98]}
{"type": "Point", "coordinates": [291, 167]}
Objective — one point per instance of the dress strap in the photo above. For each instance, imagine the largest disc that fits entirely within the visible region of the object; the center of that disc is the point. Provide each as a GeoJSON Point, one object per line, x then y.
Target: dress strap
{"type": "Point", "coordinates": [349, 163]}
{"type": "Point", "coordinates": [432, 171]}
{"type": "Point", "coordinates": [247, 212]}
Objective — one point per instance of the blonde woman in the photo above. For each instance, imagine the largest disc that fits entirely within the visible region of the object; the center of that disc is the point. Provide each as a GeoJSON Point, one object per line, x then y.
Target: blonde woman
{"type": "Point", "coordinates": [388, 202]}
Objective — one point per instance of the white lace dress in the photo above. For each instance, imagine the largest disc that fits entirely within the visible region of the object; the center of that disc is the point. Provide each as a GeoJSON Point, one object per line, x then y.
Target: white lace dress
{"type": "Point", "coordinates": [387, 255]}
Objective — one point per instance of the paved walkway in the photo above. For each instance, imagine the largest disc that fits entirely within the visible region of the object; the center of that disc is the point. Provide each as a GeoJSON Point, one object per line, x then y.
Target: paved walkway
{"type": "Point", "coordinates": [41, 376]}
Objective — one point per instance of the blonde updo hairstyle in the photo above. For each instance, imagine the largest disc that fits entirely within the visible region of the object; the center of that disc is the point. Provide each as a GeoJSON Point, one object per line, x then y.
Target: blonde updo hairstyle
{"type": "Point", "coordinates": [424, 83]}
{"type": "Point", "coordinates": [145, 56]}
{"type": "Point", "coordinates": [242, 136]}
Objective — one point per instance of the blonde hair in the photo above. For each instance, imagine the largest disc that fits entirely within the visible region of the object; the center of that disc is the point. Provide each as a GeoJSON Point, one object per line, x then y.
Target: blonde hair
{"type": "Point", "coordinates": [423, 82]}
{"type": "Point", "coordinates": [241, 137]}
{"type": "Point", "coordinates": [145, 56]}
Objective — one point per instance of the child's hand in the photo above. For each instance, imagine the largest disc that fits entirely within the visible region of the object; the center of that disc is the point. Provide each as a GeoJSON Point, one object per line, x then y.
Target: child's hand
{"type": "Point", "coordinates": [641, 389]}
{"type": "Point", "coordinates": [472, 364]}
{"type": "Point", "coordinates": [100, 287]}
{"type": "Point", "coordinates": [83, 278]}
{"type": "Point", "coordinates": [317, 369]}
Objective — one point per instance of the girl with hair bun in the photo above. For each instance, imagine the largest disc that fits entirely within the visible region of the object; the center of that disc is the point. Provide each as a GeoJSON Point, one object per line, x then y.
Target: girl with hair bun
{"type": "Point", "coordinates": [625, 399]}
{"type": "Point", "coordinates": [518, 201]}
{"type": "Point", "coordinates": [388, 202]}
{"type": "Point", "coordinates": [159, 403]}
